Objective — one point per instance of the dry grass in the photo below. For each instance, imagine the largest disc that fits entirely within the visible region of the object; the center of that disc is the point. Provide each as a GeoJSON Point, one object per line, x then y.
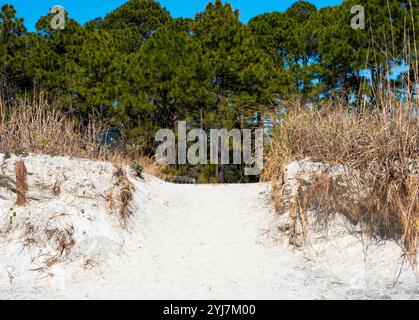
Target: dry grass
{"type": "Point", "coordinates": [37, 127]}
{"type": "Point", "coordinates": [63, 241]}
{"type": "Point", "coordinates": [380, 153]}
{"type": "Point", "coordinates": [152, 168]}
{"type": "Point", "coordinates": [125, 195]}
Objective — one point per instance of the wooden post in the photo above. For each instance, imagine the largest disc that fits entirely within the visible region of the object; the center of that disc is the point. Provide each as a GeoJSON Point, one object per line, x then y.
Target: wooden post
{"type": "Point", "coordinates": [21, 183]}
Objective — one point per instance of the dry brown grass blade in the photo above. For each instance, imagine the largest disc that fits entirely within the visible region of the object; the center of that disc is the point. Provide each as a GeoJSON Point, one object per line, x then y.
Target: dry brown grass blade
{"type": "Point", "coordinates": [380, 153]}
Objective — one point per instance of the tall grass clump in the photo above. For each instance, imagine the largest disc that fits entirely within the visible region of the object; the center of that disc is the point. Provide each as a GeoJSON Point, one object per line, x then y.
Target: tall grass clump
{"type": "Point", "coordinates": [36, 126]}
{"type": "Point", "coordinates": [379, 151]}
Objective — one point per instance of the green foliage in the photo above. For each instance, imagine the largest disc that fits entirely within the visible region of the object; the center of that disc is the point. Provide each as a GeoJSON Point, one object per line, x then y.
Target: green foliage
{"type": "Point", "coordinates": [12, 215]}
{"type": "Point", "coordinates": [141, 70]}
{"type": "Point", "coordinates": [11, 27]}
{"type": "Point", "coordinates": [12, 32]}
{"type": "Point", "coordinates": [137, 168]}
{"type": "Point", "coordinates": [166, 77]}
{"type": "Point", "coordinates": [139, 16]}
{"type": "Point", "coordinates": [20, 152]}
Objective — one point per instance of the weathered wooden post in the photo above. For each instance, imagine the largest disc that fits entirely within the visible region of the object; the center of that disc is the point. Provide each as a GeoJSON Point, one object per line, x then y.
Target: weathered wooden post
{"type": "Point", "coordinates": [21, 183]}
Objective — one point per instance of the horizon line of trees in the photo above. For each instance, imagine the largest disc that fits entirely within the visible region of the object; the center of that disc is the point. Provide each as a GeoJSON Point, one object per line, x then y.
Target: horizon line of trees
{"type": "Point", "coordinates": [141, 70]}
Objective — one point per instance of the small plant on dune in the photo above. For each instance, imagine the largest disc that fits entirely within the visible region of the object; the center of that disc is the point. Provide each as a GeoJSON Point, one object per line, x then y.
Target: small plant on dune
{"type": "Point", "coordinates": [63, 242]}
{"type": "Point", "coordinates": [126, 191]}
{"type": "Point", "coordinates": [20, 152]}
{"type": "Point", "coordinates": [12, 215]}
{"type": "Point", "coordinates": [126, 196]}
{"type": "Point", "coordinates": [137, 168]}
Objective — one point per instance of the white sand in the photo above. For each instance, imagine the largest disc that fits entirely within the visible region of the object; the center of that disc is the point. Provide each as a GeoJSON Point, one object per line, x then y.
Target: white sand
{"type": "Point", "coordinates": [182, 242]}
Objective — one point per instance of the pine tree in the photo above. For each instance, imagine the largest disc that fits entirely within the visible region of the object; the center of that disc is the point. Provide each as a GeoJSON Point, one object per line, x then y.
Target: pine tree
{"type": "Point", "coordinates": [238, 69]}
{"type": "Point", "coordinates": [12, 72]}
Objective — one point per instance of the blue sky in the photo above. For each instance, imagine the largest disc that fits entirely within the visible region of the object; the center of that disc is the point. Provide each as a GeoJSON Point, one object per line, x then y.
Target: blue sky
{"type": "Point", "coordinates": [85, 10]}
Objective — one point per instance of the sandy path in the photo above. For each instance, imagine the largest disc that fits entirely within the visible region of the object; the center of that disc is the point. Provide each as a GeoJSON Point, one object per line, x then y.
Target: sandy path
{"type": "Point", "coordinates": [215, 242]}
{"type": "Point", "coordinates": [199, 242]}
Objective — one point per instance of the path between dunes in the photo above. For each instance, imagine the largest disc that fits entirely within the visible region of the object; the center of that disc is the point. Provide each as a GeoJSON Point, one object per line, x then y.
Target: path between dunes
{"type": "Point", "coordinates": [221, 242]}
